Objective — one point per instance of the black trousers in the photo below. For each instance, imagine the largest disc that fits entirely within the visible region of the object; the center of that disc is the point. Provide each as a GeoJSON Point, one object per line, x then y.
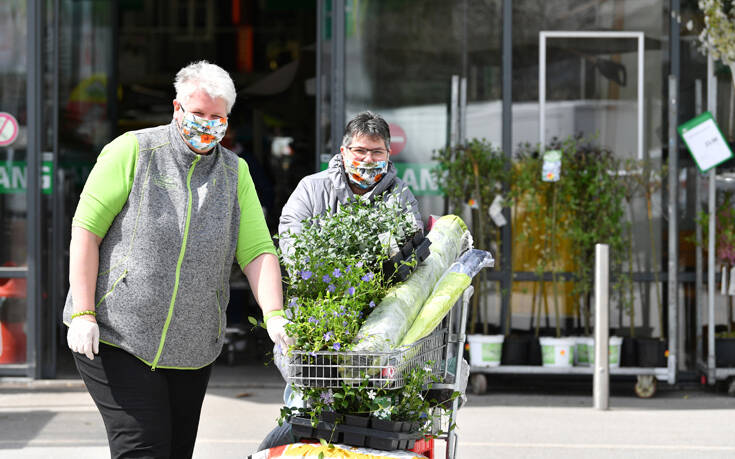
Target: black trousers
{"type": "Point", "coordinates": [147, 414]}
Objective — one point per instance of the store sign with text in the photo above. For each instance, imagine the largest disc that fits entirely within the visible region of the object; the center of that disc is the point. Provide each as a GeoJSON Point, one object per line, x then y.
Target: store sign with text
{"type": "Point", "coordinates": [13, 177]}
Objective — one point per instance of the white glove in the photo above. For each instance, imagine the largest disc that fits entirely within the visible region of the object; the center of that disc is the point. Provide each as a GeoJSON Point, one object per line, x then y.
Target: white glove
{"type": "Point", "coordinates": [84, 337]}
{"type": "Point", "coordinates": [277, 332]}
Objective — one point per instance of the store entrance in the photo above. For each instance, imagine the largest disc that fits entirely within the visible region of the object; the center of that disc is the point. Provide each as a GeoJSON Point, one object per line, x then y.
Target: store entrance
{"type": "Point", "coordinates": [117, 63]}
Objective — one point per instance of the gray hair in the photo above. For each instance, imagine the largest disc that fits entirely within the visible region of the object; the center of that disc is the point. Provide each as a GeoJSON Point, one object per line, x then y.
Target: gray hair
{"type": "Point", "coordinates": [210, 78]}
{"type": "Point", "coordinates": [367, 124]}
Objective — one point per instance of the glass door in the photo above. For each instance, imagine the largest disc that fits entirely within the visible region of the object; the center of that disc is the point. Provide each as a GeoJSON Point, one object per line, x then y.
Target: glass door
{"type": "Point", "coordinates": [13, 205]}
{"type": "Point", "coordinates": [430, 68]}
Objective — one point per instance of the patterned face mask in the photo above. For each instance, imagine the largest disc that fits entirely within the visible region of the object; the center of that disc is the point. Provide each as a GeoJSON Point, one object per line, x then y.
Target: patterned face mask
{"type": "Point", "coordinates": [365, 174]}
{"type": "Point", "coordinates": [200, 133]}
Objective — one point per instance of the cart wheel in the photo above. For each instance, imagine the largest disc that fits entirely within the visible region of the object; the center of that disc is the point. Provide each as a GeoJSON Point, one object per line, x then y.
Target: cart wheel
{"type": "Point", "coordinates": [645, 387]}
{"type": "Point", "coordinates": [731, 387]}
{"type": "Point", "coordinates": [479, 383]}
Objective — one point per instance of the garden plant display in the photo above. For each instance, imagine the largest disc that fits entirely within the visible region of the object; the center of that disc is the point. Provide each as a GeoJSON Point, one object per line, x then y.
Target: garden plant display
{"type": "Point", "coordinates": [335, 282]}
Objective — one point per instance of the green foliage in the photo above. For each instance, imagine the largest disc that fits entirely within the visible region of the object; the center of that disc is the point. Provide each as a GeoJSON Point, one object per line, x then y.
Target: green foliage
{"type": "Point", "coordinates": [725, 224]}
{"type": "Point", "coordinates": [411, 403]}
{"type": "Point", "coordinates": [473, 171]}
{"type": "Point", "coordinates": [335, 278]}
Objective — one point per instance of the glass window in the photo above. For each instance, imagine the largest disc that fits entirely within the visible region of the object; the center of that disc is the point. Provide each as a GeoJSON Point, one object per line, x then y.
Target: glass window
{"type": "Point", "coordinates": [591, 90]}
{"type": "Point", "coordinates": [13, 212]}
{"type": "Point", "coordinates": [401, 59]}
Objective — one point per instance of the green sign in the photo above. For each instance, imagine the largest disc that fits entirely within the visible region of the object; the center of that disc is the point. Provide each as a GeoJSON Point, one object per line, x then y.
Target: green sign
{"type": "Point", "coordinates": [705, 141]}
{"type": "Point", "coordinates": [13, 177]}
{"type": "Point", "coordinates": [417, 176]}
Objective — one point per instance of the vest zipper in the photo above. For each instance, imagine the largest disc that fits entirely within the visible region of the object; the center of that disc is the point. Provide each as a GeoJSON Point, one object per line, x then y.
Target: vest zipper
{"type": "Point", "coordinates": [219, 317]}
{"type": "Point", "coordinates": [182, 252]}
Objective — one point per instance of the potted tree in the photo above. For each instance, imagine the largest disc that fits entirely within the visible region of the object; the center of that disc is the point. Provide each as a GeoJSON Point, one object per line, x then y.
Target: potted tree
{"type": "Point", "coordinates": [472, 175]}
{"type": "Point", "coordinates": [536, 194]}
{"type": "Point", "coordinates": [595, 198]}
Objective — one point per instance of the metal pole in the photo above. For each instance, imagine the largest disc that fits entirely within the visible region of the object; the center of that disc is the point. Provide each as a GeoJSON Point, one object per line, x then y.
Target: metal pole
{"type": "Point", "coordinates": [34, 100]}
{"type": "Point", "coordinates": [338, 74]}
{"type": "Point", "coordinates": [319, 147]}
{"type": "Point", "coordinates": [712, 107]}
{"type": "Point", "coordinates": [698, 235]}
{"type": "Point", "coordinates": [541, 91]}
{"type": "Point", "coordinates": [507, 230]}
{"type": "Point", "coordinates": [601, 376]}
{"type": "Point", "coordinates": [673, 266]}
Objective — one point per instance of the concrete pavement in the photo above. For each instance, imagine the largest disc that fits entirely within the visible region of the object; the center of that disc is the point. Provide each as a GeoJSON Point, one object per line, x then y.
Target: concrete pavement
{"type": "Point", "coordinates": [57, 419]}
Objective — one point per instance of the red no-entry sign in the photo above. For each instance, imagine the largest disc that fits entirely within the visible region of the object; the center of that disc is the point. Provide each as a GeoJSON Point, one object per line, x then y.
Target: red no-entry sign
{"type": "Point", "coordinates": [397, 139]}
{"type": "Point", "coordinates": [8, 129]}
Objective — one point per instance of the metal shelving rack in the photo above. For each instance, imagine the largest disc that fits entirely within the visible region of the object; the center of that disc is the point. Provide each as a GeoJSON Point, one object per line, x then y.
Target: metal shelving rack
{"type": "Point", "coordinates": [646, 377]}
{"type": "Point", "coordinates": [708, 366]}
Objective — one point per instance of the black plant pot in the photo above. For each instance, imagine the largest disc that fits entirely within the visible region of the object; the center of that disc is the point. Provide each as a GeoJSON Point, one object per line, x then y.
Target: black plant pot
{"type": "Point", "coordinates": [651, 352]}
{"type": "Point", "coordinates": [628, 354]}
{"type": "Point", "coordinates": [725, 352]}
{"type": "Point", "coordinates": [330, 416]}
{"type": "Point", "coordinates": [515, 350]}
{"type": "Point", "coordinates": [385, 425]}
{"type": "Point", "coordinates": [534, 351]}
{"type": "Point", "coordinates": [355, 420]}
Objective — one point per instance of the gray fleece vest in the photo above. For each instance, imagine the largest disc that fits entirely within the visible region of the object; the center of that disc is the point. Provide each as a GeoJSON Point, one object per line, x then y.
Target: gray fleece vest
{"type": "Point", "coordinates": [165, 262]}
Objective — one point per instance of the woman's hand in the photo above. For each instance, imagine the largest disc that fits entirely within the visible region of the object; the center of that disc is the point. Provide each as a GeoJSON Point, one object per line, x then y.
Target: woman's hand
{"type": "Point", "coordinates": [84, 336]}
{"type": "Point", "coordinates": [277, 332]}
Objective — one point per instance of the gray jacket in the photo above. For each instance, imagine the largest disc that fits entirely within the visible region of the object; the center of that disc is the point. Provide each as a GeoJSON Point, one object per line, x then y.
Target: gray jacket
{"type": "Point", "coordinates": [325, 191]}
{"type": "Point", "coordinates": [165, 262]}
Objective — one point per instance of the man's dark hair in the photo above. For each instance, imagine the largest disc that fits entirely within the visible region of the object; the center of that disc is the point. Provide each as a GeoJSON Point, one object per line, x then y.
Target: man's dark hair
{"type": "Point", "coordinates": [367, 124]}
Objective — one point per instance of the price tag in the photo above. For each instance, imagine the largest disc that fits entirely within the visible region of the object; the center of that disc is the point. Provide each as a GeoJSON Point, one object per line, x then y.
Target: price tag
{"type": "Point", "coordinates": [705, 141]}
{"type": "Point", "coordinates": [496, 211]}
{"type": "Point", "coordinates": [723, 283]}
{"type": "Point", "coordinates": [551, 169]}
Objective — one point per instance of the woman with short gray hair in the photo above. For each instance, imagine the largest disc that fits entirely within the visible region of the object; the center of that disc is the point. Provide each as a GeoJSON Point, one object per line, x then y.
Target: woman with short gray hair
{"type": "Point", "coordinates": [163, 215]}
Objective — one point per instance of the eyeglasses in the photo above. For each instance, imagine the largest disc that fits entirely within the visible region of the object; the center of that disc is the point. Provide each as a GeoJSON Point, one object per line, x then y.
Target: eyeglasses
{"type": "Point", "coordinates": [360, 153]}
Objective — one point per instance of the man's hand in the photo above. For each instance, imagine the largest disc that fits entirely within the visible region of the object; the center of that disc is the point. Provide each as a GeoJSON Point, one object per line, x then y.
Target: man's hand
{"type": "Point", "coordinates": [84, 336]}
{"type": "Point", "coordinates": [277, 332]}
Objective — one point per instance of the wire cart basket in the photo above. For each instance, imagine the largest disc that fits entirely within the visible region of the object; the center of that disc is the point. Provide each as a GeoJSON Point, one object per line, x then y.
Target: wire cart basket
{"type": "Point", "coordinates": [442, 350]}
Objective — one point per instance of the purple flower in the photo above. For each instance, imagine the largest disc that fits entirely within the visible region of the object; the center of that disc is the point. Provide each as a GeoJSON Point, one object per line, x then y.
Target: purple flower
{"type": "Point", "coordinates": [328, 335]}
{"type": "Point", "coordinates": [351, 291]}
{"type": "Point", "coordinates": [348, 268]}
{"type": "Point", "coordinates": [336, 346]}
{"type": "Point", "coordinates": [372, 304]}
{"type": "Point", "coordinates": [313, 320]}
{"type": "Point", "coordinates": [344, 323]}
{"type": "Point", "coordinates": [331, 288]}
{"type": "Point", "coordinates": [292, 302]}
{"type": "Point", "coordinates": [312, 353]}
{"type": "Point", "coordinates": [326, 278]}
{"type": "Point", "coordinates": [327, 397]}
{"type": "Point", "coordinates": [368, 277]}
{"type": "Point", "coordinates": [359, 264]}
{"type": "Point", "coordinates": [306, 275]}
{"type": "Point", "coordinates": [288, 314]}
{"type": "Point", "coordinates": [337, 273]}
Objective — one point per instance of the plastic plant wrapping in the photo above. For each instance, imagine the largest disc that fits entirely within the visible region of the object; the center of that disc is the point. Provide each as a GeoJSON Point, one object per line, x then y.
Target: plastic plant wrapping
{"type": "Point", "coordinates": [386, 325]}
{"type": "Point", "coordinates": [313, 450]}
{"type": "Point", "coordinates": [446, 292]}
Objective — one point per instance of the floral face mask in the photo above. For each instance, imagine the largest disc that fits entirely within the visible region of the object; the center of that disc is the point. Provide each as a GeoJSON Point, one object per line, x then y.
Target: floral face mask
{"type": "Point", "coordinates": [201, 133]}
{"type": "Point", "coordinates": [365, 174]}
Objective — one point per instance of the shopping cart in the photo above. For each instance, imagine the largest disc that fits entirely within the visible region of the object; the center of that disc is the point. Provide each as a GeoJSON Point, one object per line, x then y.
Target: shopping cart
{"type": "Point", "coordinates": [441, 350]}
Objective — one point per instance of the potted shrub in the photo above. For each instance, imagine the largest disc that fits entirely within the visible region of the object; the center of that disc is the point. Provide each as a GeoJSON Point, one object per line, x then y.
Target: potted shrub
{"type": "Point", "coordinates": [536, 193]}
{"type": "Point", "coordinates": [474, 174]}
{"type": "Point", "coordinates": [725, 257]}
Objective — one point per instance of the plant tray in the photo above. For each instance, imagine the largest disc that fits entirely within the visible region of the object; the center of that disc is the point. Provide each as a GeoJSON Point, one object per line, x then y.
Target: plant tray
{"type": "Point", "coordinates": [353, 435]}
{"type": "Point", "coordinates": [386, 370]}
